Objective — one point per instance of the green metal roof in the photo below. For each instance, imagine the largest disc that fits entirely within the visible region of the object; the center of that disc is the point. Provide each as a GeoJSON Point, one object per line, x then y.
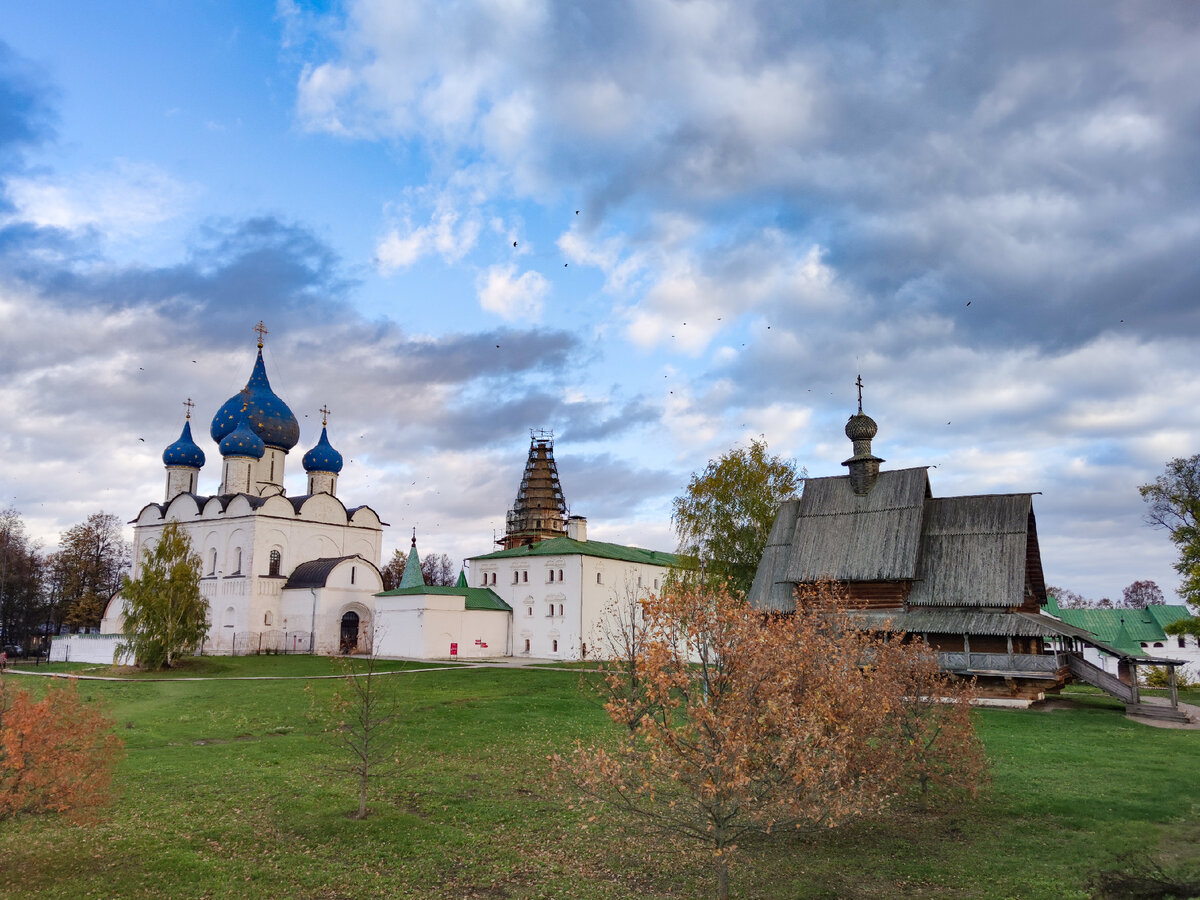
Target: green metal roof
{"type": "Point", "coordinates": [564, 546]}
{"type": "Point", "coordinates": [476, 598]}
{"type": "Point", "coordinates": [1141, 625]}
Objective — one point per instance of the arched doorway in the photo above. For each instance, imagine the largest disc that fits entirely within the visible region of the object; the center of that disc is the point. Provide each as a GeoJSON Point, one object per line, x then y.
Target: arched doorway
{"type": "Point", "coordinates": [349, 641]}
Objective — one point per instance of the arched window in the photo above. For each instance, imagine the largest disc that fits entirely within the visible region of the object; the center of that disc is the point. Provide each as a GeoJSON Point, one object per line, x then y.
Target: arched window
{"type": "Point", "coordinates": [551, 575]}
{"type": "Point", "coordinates": [598, 581]}
{"type": "Point", "coordinates": [276, 563]}
{"type": "Point", "coordinates": [212, 563]}
{"type": "Point", "coordinates": [556, 646]}
{"type": "Point", "coordinates": [493, 578]}
{"type": "Point", "coordinates": [560, 574]}
{"type": "Point", "coordinates": [267, 618]}
{"type": "Point", "coordinates": [560, 609]}
{"type": "Point", "coordinates": [237, 561]}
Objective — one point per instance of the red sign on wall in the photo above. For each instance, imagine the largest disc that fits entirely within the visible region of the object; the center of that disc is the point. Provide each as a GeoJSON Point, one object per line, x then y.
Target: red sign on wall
{"type": "Point", "coordinates": [453, 649]}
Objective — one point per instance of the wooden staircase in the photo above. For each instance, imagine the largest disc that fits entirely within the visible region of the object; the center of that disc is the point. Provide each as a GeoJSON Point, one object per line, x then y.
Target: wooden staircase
{"type": "Point", "coordinates": [1135, 705]}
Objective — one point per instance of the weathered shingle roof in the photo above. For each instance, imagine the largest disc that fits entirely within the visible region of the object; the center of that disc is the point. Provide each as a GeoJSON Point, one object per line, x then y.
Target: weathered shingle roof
{"type": "Point", "coordinates": [973, 551]}
{"type": "Point", "coordinates": [771, 589]}
{"type": "Point", "coordinates": [850, 537]}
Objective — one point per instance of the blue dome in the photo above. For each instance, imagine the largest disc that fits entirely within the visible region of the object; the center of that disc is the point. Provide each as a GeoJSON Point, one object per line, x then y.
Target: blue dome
{"type": "Point", "coordinates": [269, 416]}
{"type": "Point", "coordinates": [242, 441]}
{"type": "Point", "coordinates": [184, 451]}
{"type": "Point", "coordinates": [323, 458]}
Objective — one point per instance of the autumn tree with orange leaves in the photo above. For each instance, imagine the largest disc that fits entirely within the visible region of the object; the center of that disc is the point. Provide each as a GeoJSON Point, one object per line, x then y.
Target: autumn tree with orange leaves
{"type": "Point", "coordinates": [57, 754]}
{"type": "Point", "coordinates": [745, 723]}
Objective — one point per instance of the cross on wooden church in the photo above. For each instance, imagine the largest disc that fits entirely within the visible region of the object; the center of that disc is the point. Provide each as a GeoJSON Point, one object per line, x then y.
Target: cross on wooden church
{"type": "Point", "coordinates": [858, 381]}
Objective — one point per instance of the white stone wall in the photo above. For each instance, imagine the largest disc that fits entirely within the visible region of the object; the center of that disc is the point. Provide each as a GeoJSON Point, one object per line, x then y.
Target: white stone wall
{"type": "Point", "coordinates": [425, 626]}
{"type": "Point", "coordinates": [91, 648]}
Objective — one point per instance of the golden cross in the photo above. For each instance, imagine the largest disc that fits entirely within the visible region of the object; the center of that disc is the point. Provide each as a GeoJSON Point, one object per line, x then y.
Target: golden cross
{"type": "Point", "coordinates": [324, 416]}
{"type": "Point", "coordinates": [261, 329]}
{"type": "Point", "coordinates": [189, 404]}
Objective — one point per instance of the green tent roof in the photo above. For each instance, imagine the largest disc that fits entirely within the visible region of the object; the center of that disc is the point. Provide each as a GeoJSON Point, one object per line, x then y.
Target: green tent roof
{"type": "Point", "coordinates": [476, 598]}
{"type": "Point", "coordinates": [564, 546]}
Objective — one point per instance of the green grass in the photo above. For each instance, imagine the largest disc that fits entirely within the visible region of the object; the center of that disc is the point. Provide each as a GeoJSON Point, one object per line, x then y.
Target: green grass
{"type": "Point", "coordinates": [223, 792]}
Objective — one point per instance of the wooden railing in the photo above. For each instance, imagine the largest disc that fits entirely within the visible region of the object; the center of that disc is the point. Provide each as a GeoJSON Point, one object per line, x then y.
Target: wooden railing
{"type": "Point", "coordinates": [1094, 675]}
{"type": "Point", "coordinates": [1002, 663]}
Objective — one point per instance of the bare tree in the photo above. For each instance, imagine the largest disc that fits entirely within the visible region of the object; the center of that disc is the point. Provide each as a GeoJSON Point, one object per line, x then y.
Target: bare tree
{"type": "Point", "coordinates": [363, 722]}
{"type": "Point", "coordinates": [1141, 594]}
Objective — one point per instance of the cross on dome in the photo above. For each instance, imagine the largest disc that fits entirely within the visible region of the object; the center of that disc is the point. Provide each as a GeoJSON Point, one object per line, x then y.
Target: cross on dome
{"type": "Point", "coordinates": [858, 381]}
{"type": "Point", "coordinates": [324, 411]}
{"type": "Point", "coordinates": [261, 329]}
{"type": "Point", "coordinates": [190, 405]}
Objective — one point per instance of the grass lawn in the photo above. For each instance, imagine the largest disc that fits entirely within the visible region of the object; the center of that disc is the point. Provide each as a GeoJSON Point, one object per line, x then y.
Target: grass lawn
{"type": "Point", "coordinates": [223, 792]}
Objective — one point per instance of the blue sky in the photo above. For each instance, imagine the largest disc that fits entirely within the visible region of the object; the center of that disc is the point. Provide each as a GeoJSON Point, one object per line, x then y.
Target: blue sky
{"type": "Point", "coordinates": [722, 213]}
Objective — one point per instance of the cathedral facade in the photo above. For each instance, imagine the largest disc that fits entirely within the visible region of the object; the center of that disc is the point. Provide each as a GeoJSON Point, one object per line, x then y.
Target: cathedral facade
{"type": "Point", "coordinates": [280, 573]}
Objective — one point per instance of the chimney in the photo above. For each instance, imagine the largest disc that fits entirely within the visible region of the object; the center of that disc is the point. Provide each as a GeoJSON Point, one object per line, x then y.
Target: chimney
{"type": "Point", "coordinates": [577, 528]}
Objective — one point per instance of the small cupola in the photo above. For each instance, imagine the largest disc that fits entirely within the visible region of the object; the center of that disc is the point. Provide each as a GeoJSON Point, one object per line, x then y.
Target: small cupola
{"type": "Point", "coordinates": [241, 449]}
{"type": "Point", "coordinates": [183, 460]}
{"type": "Point", "coordinates": [863, 465]}
{"type": "Point", "coordinates": [322, 462]}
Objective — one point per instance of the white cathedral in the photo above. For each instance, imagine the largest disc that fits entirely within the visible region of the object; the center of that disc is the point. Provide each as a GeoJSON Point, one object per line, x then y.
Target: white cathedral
{"type": "Point", "coordinates": [280, 573]}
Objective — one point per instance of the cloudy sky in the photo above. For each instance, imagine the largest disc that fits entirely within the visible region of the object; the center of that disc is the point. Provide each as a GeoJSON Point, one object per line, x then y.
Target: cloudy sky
{"type": "Point", "coordinates": [657, 228]}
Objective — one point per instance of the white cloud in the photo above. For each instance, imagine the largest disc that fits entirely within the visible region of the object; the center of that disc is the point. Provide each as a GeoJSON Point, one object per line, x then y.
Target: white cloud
{"type": "Point", "coordinates": [510, 296]}
{"type": "Point", "coordinates": [447, 234]}
{"type": "Point", "coordinates": [121, 201]}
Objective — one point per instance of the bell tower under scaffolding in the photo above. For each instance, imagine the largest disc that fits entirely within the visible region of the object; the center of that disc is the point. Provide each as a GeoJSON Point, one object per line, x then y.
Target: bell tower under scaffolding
{"type": "Point", "coordinates": [540, 511]}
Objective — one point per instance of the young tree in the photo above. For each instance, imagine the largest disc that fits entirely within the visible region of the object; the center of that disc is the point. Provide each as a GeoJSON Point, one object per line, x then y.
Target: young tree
{"type": "Point", "coordinates": [725, 516]}
{"type": "Point", "coordinates": [91, 559]}
{"type": "Point", "coordinates": [750, 723]}
{"type": "Point", "coordinates": [363, 723]}
{"type": "Point", "coordinates": [57, 754]}
{"type": "Point", "coordinates": [394, 570]}
{"type": "Point", "coordinates": [1174, 499]}
{"type": "Point", "coordinates": [1141, 594]}
{"type": "Point", "coordinates": [165, 614]}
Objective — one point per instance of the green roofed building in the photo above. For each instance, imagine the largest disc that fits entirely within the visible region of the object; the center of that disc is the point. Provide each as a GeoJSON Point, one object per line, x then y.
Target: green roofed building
{"type": "Point", "coordinates": [1138, 631]}
{"type": "Point", "coordinates": [564, 590]}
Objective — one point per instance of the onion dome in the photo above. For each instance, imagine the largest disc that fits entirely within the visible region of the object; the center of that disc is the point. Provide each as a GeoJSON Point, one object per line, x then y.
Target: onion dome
{"type": "Point", "coordinates": [268, 415]}
{"type": "Point", "coordinates": [323, 458]}
{"type": "Point", "coordinates": [184, 452]}
{"type": "Point", "coordinates": [861, 427]}
{"type": "Point", "coordinates": [242, 441]}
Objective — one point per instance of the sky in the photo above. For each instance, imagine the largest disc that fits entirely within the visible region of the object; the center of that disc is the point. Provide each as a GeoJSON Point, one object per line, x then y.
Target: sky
{"type": "Point", "coordinates": [658, 229]}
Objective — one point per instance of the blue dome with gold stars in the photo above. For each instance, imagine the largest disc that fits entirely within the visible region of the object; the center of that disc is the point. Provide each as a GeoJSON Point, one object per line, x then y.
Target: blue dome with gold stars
{"type": "Point", "coordinates": [323, 458]}
{"type": "Point", "coordinates": [242, 441]}
{"type": "Point", "coordinates": [269, 417]}
{"type": "Point", "coordinates": [184, 452]}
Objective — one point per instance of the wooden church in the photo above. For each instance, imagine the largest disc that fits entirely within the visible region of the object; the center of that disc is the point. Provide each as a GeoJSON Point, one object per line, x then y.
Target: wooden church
{"type": "Point", "coordinates": [963, 573]}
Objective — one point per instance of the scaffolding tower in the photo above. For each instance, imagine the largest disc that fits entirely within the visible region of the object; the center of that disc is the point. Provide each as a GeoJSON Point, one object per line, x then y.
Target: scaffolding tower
{"type": "Point", "coordinates": [540, 511]}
